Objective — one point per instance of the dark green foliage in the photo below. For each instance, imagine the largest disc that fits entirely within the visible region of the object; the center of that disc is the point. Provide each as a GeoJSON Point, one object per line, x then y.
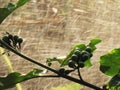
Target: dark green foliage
{"type": "Point", "coordinates": [13, 78]}
{"type": "Point", "coordinates": [8, 9]}
{"type": "Point", "coordinates": [110, 62]}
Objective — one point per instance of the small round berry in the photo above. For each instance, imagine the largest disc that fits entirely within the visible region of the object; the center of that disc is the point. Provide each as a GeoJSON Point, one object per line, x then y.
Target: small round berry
{"type": "Point", "coordinates": [71, 64]}
{"type": "Point", "coordinates": [85, 57]}
{"type": "Point", "coordinates": [78, 53]}
{"type": "Point", "coordinates": [74, 57]}
{"type": "Point", "coordinates": [81, 64]}
{"type": "Point", "coordinates": [15, 38]}
{"type": "Point", "coordinates": [19, 40]}
{"type": "Point", "coordinates": [6, 39]}
{"type": "Point", "coordinates": [10, 36]}
{"type": "Point", "coordinates": [61, 71]}
{"type": "Point", "coordinates": [88, 49]}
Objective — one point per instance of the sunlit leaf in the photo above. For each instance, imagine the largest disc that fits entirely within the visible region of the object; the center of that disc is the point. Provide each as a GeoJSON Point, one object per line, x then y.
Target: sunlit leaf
{"type": "Point", "coordinates": [110, 62]}
{"type": "Point", "coordinates": [13, 78]}
{"type": "Point", "coordinates": [88, 63]}
{"type": "Point", "coordinates": [94, 42]}
{"type": "Point", "coordinates": [21, 2]}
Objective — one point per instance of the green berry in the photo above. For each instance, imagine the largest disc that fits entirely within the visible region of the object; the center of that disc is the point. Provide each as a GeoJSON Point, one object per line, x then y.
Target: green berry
{"type": "Point", "coordinates": [81, 64]}
{"type": "Point", "coordinates": [74, 57]}
{"type": "Point", "coordinates": [78, 53]}
{"type": "Point", "coordinates": [71, 64]}
{"type": "Point", "coordinates": [68, 71]}
{"type": "Point", "coordinates": [91, 54]}
{"type": "Point", "coordinates": [15, 38]}
{"type": "Point", "coordinates": [85, 57]}
{"type": "Point", "coordinates": [62, 70]}
{"type": "Point", "coordinates": [84, 52]}
{"type": "Point", "coordinates": [19, 40]}
{"type": "Point", "coordinates": [6, 39]}
{"type": "Point", "coordinates": [88, 49]}
{"type": "Point", "coordinates": [10, 36]}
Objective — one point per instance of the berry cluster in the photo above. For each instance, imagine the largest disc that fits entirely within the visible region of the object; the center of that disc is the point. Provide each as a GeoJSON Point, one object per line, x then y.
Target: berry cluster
{"type": "Point", "coordinates": [62, 71]}
{"type": "Point", "coordinates": [79, 57]}
{"type": "Point", "coordinates": [12, 40]}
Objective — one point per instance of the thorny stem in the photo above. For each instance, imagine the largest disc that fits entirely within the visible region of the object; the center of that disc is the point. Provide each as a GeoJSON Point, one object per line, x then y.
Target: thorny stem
{"type": "Point", "coordinates": [48, 68]}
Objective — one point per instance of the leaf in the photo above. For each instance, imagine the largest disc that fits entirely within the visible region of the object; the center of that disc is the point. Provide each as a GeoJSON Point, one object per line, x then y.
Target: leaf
{"type": "Point", "coordinates": [71, 86]}
{"type": "Point", "coordinates": [7, 10]}
{"type": "Point", "coordinates": [13, 78]}
{"type": "Point", "coordinates": [114, 83]}
{"type": "Point", "coordinates": [110, 62]}
{"type": "Point", "coordinates": [93, 42]}
{"type": "Point", "coordinates": [21, 2]}
{"type": "Point", "coordinates": [87, 63]}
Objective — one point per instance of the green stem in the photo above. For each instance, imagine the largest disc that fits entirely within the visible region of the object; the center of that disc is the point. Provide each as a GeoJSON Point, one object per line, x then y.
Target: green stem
{"type": "Point", "coordinates": [48, 68]}
{"type": "Point", "coordinates": [9, 65]}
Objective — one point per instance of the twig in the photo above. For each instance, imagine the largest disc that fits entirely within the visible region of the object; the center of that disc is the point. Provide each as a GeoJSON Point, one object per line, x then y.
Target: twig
{"type": "Point", "coordinates": [79, 74]}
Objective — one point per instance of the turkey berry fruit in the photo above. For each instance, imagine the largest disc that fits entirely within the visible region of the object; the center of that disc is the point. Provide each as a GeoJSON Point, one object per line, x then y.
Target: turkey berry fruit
{"type": "Point", "coordinates": [88, 49]}
{"type": "Point", "coordinates": [19, 40]}
{"type": "Point", "coordinates": [81, 64]}
{"type": "Point", "coordinates": [15, 38]}
{"type": "Point", "coordinates": [78, 53]}
{"type": "Point", "coordinates": [62, 70]}
{"type": "Point", "coordinates": [85, 57]}
{"type": "Point", "coordinates": [74, 57]}
{"type": "Point", "coordinates": [71, 64]}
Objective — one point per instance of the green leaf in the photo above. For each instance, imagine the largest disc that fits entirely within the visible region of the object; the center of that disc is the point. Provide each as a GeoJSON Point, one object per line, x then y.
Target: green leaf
{"type": "Point", "coordinates": [114, 83]}
{"type": "Point", "coordinates": [71, 86]}
{"type": "Point", "coordinates": [7, 10]}
{"type": "Point", "coordinates": [110, 62]}
{"type": "Point", "coordinates": [21, 2]}
{"type": "Point", "coordinates": [13, 78]}
{"type": "Point", "coordinates": [87, 63]}
{"type": "Point", "coordinates": [93, 42]}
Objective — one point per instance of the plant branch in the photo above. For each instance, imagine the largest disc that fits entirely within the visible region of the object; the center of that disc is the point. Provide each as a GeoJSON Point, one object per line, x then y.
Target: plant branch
{"type": "Point", "coordinates": [46, 67]}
